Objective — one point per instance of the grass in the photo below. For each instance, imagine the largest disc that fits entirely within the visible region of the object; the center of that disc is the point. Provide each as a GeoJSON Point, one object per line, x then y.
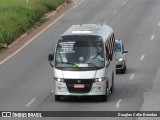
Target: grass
{"type": "Point", "coordinates": [18, 16]}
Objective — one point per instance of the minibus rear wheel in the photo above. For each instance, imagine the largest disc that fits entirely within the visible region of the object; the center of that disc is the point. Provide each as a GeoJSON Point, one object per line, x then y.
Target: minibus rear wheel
{"type": "Point", "coordinates": [112, 88]}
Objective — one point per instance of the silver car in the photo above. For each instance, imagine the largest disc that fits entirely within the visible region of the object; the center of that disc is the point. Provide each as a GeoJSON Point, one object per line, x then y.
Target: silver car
{"type": "Point", "coordinates": [120, 57]}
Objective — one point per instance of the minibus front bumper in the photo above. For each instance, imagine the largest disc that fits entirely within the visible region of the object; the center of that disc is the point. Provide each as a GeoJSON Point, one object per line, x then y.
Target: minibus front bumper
{"type": "Point", "coordinates": [82, 89]}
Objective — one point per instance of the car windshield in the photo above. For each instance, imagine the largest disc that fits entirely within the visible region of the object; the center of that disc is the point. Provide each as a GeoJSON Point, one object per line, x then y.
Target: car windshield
{"type": "Point", "coordinates": [118, 47]}
{"type": "Point", "coordinates": [80, 52]}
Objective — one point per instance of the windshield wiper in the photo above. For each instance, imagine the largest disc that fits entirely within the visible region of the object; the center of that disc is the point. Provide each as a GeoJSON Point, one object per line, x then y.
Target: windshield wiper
{"type": "Point", "coordinates": [69, 63]}
{"type": "Point", "coordinates": [92, 64]}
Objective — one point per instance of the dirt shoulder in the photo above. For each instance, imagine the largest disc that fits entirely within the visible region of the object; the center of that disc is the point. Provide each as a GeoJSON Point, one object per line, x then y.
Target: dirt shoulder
{"type": "Point", "coordinates": [52, 16]}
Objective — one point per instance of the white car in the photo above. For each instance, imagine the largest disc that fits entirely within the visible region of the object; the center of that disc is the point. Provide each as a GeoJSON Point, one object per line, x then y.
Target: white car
{"type": "Point", "coordinates": [120, 57]}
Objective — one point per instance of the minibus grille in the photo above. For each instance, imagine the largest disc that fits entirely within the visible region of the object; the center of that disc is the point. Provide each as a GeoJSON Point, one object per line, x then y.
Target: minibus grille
{"type": "Point", "coordinates": [118, 66]}
{"type": "Point", "coordinates": [86, 82]}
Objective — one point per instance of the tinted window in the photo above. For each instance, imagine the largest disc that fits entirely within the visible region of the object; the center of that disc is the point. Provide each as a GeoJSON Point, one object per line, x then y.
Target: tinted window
{"type": "Point", "coordinates": [79, 52]}
{"type": "Point", "coordinates": [118, 47]}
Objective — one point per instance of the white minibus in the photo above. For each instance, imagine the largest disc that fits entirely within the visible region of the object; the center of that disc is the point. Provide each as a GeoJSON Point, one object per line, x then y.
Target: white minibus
{"type": "Point", "coordinates": [84, 62]}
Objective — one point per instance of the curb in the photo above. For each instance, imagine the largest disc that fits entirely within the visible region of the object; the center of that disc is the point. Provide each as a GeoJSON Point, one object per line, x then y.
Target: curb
{"type": "Point", "coordinates": [24, 38]}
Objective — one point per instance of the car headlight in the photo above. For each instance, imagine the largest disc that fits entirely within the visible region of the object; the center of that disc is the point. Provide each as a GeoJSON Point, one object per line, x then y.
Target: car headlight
{"type": "Point", "coordinates": [100, 79]}
{"type": "Point", "coordinates": [119, 59]}
{"type": "Point", "coordinates": [59, 79]}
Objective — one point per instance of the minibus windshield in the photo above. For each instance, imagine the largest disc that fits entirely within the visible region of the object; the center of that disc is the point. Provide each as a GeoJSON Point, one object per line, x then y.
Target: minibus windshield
{"type": "Point", "coordinates": [80, 52]}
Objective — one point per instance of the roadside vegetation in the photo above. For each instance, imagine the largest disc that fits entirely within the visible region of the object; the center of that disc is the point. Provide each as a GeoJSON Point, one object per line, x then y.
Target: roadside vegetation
{"type": "Point", "coordinates": [18, 16]}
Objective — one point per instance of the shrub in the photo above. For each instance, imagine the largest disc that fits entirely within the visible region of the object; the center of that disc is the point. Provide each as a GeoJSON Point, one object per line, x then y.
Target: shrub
{"type": "Point", "coordinates": [18, 16]}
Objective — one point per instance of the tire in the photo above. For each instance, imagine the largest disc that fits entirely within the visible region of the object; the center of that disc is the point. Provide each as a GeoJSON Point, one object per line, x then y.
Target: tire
{"type": "Point", "coordinates": [105, 97]}
{"type": "Point", "coordinates": [57, 97]}
{"type": "Point", "coordinates": [123, 70]}
{"type": "Point", "coordinates": [112, 88]}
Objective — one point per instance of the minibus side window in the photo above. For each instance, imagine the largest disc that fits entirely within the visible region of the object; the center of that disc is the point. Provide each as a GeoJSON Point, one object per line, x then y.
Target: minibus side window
{"type": "Point", "coordinates": [110, 47]}
{"type": "Point", "coordinates": [108, 50]}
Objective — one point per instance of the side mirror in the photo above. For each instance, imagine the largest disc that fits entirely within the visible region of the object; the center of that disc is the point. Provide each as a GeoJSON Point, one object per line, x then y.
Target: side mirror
{"type": "Point", "coordinates": [125, 51]}
{"type": "Point", "coordinates": [50, 57]}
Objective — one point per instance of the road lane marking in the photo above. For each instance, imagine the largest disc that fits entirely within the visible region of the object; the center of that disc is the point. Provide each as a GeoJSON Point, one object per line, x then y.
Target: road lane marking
{"type": "Point", "coordinates": [71, 9]}
{"type": "Point", "coordinates": [142, 57]}
{"type": "Point", "coordinates": [115, 12]}
{"type": "Point", "coordinates": [80, 2]}
{"type": "Point", "coordinates": [153, 36]}
{"type": "Point", "coordinates": [33, 38]}
{"type": "Point", "coordinates": [124, 3]}
{"type": "Point", "coordinates": [132, 76]}
{"type": "Point", "coordinates": [38, 34]}
{"type": "Point", "coordinates": [159, 24]}
{"type": "Point", "coordinates": [30, 102]}
{"type": "Point", "coordinates": [118, 103]}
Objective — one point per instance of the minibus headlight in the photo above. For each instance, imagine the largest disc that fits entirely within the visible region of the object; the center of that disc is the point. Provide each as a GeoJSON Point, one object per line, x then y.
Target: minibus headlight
{"type": "Point", "coordinates": [100, 79]}
{"type": "Point", "coordinates": [59, 79]}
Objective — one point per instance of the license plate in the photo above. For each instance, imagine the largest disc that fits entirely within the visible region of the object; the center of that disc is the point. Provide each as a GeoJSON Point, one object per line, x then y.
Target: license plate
{"type": "Point", "coordinates": [78, 85]}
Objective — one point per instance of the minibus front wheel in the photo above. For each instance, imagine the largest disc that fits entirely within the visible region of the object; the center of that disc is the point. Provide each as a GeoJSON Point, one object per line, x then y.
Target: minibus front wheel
{"type": "Point", "coordinates": [104, 97]}
{"type": "Point", "coordinates": [57, 97]}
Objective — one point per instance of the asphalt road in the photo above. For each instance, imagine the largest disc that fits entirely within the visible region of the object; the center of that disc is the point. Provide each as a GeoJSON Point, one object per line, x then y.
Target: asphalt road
{"type": "Point", "coordinates": [26, 78]}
